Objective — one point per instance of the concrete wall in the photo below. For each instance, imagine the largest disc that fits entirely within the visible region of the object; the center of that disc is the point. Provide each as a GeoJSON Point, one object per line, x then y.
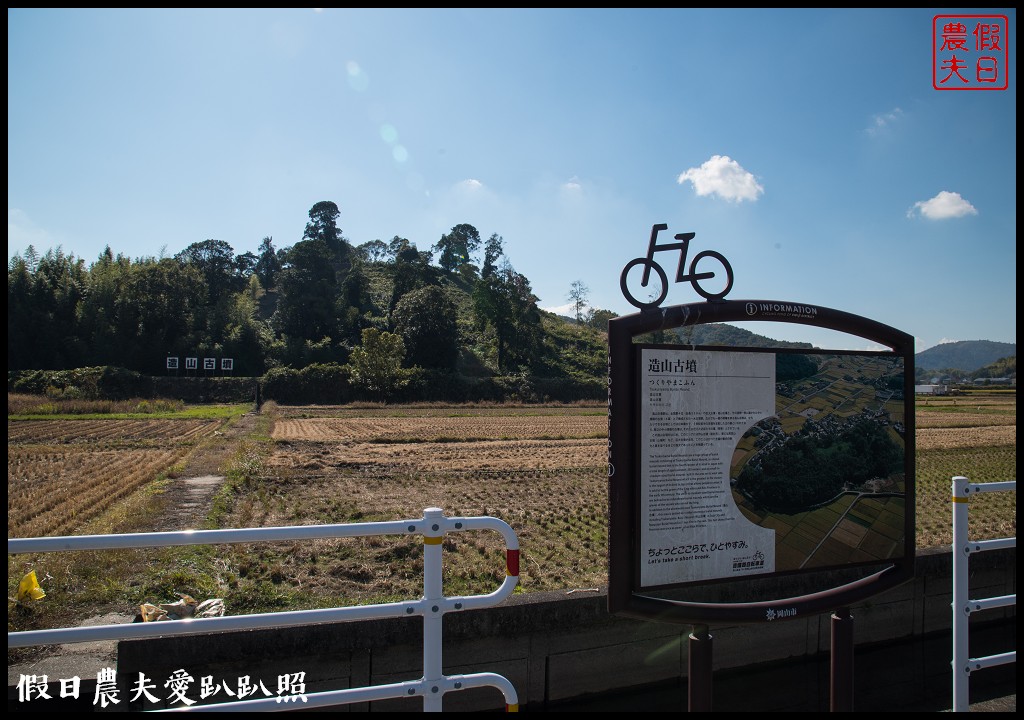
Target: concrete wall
{"type": "Point", "coordinates": [558, 647]}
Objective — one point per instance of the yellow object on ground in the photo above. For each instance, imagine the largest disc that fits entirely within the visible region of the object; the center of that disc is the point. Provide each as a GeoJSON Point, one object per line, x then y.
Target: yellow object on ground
{"type": "Point", "coordinates": [28, 588]}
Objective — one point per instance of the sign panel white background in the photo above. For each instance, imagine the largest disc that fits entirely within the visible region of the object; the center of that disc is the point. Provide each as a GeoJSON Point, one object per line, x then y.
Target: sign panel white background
{"type": "Point", "coordinates": [695, 407]}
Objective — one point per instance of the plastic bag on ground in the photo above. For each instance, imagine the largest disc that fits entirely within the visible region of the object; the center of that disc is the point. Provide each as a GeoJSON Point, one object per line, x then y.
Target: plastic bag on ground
{"type": "Point", "coordinates": [29, 589]}
{"type": "Point", "coordinates": [185, 607]}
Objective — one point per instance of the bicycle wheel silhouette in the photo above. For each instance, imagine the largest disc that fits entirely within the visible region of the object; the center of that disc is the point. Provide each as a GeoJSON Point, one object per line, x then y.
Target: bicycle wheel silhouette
{"type": "Point", "coordinates": [706, 275]}
{"type": "Point", "coordinates": [658, 294]}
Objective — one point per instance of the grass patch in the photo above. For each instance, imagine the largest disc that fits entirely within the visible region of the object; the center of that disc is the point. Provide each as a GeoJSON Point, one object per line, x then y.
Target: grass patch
{"type": "Point", "coordinates": [216, 414]}
{"type": "Point", "coordinates": [44, 409]}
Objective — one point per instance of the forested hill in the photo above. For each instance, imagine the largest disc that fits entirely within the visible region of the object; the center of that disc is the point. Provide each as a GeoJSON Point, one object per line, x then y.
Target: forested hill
{"type": "Point", "coordinates": [457, 306]}
{"type": "Point", "coordinates": [382, 315]}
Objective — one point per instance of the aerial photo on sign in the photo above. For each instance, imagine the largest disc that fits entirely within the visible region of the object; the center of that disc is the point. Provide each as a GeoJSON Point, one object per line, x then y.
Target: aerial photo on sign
{"type": "Point", "coordinates": [826, 472]}
{"type": "Point", "coordinates": [762, 462]}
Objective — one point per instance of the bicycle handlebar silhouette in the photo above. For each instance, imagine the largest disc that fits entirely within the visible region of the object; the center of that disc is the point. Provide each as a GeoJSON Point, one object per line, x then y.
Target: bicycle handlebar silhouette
{"type": "Point", "coordinates": [692, 277]}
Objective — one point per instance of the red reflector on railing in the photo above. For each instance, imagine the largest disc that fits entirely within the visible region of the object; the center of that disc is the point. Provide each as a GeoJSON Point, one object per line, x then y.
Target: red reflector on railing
{"type": "Point", "coordinates": [512, 562]}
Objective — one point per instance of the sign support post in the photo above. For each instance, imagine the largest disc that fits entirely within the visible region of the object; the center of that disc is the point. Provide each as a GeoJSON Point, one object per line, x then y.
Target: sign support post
{"type": "Point", "coordinates": [841, 671]}
{"type": "Point", "coordinates": [699, 685]}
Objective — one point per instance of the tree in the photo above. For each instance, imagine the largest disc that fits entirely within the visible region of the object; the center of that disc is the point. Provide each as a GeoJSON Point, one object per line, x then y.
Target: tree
{"type": "Point", "coordinates": [426, 320]}
{"type": "Point", "coordinates": [323, 224]}
{"type": "Point", "coordinates": [456, 247]}
{"type": "Point", "coordinates": [246, 338]}
{"type": "Point", "coordinates": [159, 308]}
{"type": "Point", "coordinates": [578, 293]}
{"type": "Point", "coordinates": [215, 259]}
{"type": "Point", "coordinates": [505, 302]}
{"type": "Point", "coordinates": [374, 251]}
{"type": "Point", "coordinates": [268, 265]}
{"type": "Point", "coordinates": [31, 258]}
{"type": "Point", "coordinates": [376, 365]}
{"type": "Point", "coordinates": [410, 270]}
{"type": "Point", "coordinates": [307, 288]}
{"type": "Point", "coordinates": [492, 254]}
{"type": "Point", "coordinates": [43, 296]}
{"type": "Point", "coordinates": [527, 335]}
{"type": "Point", "coordinates": [354, 303]}
{"type": "Point", "coordinates": [245, 267]}
{"type": "Point", "coordinates": [98, 311]}
{"type": "Point", "coordinates": [20, 306]}
{"type": "Point", "coordinates": [598, 318]}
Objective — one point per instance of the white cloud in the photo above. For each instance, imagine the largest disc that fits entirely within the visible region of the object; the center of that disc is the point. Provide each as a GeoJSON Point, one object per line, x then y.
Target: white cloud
{"type": "Point", "coordinates": [470, 201]}
{"type": "Point", "coordinates": [880, 122]}
{"type": "Point", "coordinates": [569, 309]}
{"type": "Point", "coordinates": [920, 344]}
{"type": "Point", "coordinates": [724, 177]}
{"type": "Point", "coordinates": [22, 232]}
{"type": "Point", "coordinates": [943, 206]}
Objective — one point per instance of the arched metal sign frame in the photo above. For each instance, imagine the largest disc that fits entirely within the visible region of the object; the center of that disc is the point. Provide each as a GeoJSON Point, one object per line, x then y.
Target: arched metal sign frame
{"type": "Point", "coordinates": [625, 595]}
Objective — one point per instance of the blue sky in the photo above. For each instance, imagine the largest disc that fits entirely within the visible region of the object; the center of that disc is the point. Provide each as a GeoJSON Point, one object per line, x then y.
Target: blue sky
{"type": "Point", "coordinates": [807, 146]}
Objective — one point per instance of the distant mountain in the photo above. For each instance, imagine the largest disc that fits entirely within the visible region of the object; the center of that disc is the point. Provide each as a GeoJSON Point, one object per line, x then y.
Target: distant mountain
{"type": "Point", "coordinates": [966, 355]}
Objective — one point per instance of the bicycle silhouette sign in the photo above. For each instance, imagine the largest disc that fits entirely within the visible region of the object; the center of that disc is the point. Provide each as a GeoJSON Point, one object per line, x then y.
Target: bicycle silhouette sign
{"type": "Point", "coordinates": [657, 296]}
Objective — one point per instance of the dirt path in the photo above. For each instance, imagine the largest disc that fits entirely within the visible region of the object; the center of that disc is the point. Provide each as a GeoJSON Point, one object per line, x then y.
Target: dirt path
{"type": "Point", "coordinates": [188, 497]}
{"type": "Point", "coordinates": [186, 502]}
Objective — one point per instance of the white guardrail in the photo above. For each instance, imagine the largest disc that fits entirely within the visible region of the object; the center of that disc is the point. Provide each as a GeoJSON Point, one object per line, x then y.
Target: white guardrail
{"type": "Point", "coordinates": [432, 606]}
{"type": "Point", "coordinates": [963, 606]}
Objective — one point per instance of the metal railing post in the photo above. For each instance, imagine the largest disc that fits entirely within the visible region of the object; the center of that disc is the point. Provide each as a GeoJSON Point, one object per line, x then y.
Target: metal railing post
{"type": "Point", "coordinates": [432, 606]}
{"type": "Point", "coordinates": [433, 536]}
{"type": "Point", "coordinates": [961, 615]}
{"type": "Point", "coordinates": [963, 664]}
